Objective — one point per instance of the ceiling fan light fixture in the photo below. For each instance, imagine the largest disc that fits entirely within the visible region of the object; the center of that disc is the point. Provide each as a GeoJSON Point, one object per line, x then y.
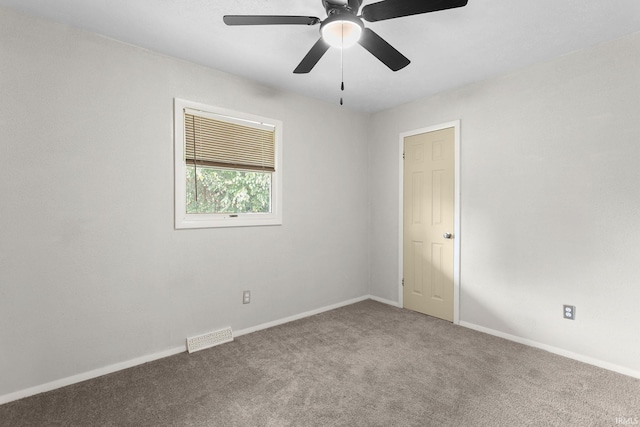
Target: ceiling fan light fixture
{"type": "Point", "coordinates": [342, 30]}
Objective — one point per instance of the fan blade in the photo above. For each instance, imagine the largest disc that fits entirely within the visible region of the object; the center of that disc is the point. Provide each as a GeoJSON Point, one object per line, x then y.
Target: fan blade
{"type": "Point", "coordinates": [269, 20]}
{"type": "Point", "coordinates": [382, 50]}
{"type": "Point", "coordinates": [389, 9]}
{"type": "Point", "coordinates": [312, 57]}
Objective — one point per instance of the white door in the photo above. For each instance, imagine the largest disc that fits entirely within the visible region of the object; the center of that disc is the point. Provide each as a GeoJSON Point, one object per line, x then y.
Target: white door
{"type": "Point", "coordinates": [429, 170]}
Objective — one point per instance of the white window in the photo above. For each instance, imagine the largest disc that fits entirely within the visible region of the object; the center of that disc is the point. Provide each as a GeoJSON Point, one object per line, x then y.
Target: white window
{"type": "Point", "coordinates": [228, 168]}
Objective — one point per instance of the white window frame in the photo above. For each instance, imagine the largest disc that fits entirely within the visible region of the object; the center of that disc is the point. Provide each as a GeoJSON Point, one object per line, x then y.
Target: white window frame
{"type": "Point", "coordinates": [182, 218]}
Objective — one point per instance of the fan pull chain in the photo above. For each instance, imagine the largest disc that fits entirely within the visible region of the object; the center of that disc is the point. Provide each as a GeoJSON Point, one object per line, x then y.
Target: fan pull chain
{"type": "Point", "coordinates": [342, 64]}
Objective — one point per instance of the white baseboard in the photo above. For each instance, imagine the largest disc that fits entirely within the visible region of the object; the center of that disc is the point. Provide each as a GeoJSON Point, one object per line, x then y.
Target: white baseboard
{"type": "Point", "coordinates": [385, 301]}
{"type": "Point", "coordinates": [559, 351]}
{"type": "Point", "coordinates": [299, 316]}
{"type": "Point", "coordinates": [63, 382]}
{"type": "Point", "coordinates": [173, 351]}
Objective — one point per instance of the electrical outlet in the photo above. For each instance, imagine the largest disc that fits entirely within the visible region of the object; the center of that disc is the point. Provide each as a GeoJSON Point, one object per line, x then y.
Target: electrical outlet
{"type": "Point", "coordinates": [569, 312]}
{"type": "Point", "coordinates": [246, 297]}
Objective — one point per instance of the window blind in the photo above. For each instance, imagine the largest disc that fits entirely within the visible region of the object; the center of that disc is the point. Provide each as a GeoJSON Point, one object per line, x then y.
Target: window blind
{"type": "Point", "coordinates": [228, 143]}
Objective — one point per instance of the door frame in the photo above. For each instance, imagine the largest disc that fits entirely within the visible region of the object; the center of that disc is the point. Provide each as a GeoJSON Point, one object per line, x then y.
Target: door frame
{"type": "Point", "coordinates": [456, 213]}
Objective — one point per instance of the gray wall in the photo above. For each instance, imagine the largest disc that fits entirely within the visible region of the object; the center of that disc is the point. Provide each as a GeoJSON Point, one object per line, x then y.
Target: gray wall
{"type": "Point", "coordinates": [92, 272]}
{"type": "Point", "coordinates": [550, 201]}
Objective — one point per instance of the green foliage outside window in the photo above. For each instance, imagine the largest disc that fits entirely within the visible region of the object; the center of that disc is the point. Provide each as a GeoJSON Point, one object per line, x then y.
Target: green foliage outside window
{"type": "Point", "coordinates": [228, 191]}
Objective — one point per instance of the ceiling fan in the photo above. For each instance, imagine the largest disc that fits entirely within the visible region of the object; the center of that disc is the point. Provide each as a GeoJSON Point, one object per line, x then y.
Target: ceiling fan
{"type": "Point", "coordinates": [343, 26]}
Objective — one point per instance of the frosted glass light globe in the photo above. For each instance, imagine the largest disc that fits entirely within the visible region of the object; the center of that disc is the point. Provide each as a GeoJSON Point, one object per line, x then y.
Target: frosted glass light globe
{"type": "Point", "coordinates": [341, 33]}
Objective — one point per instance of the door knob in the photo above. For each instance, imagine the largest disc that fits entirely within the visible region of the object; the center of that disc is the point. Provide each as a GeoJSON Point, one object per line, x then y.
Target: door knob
{"type": "Point", "coordinates": [447, 235]}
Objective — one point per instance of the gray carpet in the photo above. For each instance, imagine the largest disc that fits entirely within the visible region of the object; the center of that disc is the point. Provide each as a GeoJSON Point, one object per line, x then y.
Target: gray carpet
{"type": "Point", "coordinates": [367, 364]}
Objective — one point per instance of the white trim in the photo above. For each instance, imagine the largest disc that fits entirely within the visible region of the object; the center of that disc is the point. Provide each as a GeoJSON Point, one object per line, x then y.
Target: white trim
{"type": "Point", "coordinates": [177, 350]}
{"type": "Point", "coordinates": [456, 213]}
{"type": "Point", "coordinates": [185, 221]}
{"type": "Point", "coordinates": [385, 301]}
{"type": "Point", "coordinates": [299, 316]}
{"type": "Point", "coordinates": [555, 350]}
{"type": "Point", "coordinates": [63, 382]}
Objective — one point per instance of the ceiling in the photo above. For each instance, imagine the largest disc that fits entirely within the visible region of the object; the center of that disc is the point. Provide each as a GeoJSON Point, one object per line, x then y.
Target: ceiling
{"type": "Point", "coordinates": [447, 49]}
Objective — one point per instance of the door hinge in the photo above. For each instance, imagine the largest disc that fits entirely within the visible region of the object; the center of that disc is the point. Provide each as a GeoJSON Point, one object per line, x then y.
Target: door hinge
{"type": "Point", "coordinates": [403, 281]}
{"type": "Point", "coordinates": [403, 155]}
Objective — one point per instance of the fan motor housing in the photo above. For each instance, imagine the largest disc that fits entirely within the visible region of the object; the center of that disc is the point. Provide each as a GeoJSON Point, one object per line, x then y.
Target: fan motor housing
{"type": "Point", "coordinates": [336, 6]}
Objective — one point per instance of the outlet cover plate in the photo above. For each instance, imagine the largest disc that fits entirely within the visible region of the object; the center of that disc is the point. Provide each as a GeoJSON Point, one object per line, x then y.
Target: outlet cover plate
{"type": "Point", "coordinates": [569, 312]}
